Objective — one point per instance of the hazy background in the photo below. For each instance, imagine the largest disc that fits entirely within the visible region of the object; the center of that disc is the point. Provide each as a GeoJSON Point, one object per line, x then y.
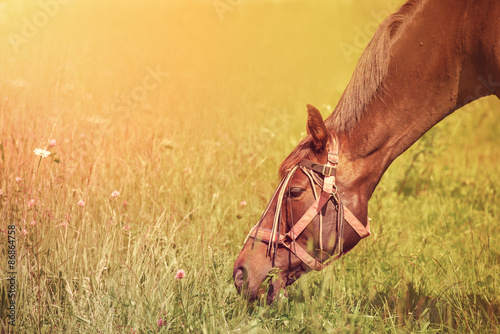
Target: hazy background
{"type": "Point", "coordinates": [187, 108]}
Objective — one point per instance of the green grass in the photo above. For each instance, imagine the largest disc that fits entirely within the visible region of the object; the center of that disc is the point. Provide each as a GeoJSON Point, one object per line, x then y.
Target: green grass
{"type": "Point", "coordinates": [227, 109]}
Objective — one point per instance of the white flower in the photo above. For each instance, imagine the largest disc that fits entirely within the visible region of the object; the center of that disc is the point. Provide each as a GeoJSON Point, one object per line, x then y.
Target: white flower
{"type": "Point", "coordinates": [41, 152]}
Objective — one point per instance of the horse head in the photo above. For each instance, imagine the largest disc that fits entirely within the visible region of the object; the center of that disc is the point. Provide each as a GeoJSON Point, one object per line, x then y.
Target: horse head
{"type": "Point", "coordinates": [303, 226]}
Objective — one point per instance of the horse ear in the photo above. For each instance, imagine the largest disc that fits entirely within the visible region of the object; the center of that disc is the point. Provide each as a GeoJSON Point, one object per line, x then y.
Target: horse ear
{"type": "Point", "coordinates": [316, 128]}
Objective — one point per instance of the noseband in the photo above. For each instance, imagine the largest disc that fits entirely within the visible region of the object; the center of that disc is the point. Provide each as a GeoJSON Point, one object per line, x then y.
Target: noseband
{"type": "Point", "coordinates": [329, 193]}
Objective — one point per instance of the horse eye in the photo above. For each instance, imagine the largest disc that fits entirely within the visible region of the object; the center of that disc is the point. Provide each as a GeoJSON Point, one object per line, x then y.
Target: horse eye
{"type": "Point", "coordinates": [296, 192]}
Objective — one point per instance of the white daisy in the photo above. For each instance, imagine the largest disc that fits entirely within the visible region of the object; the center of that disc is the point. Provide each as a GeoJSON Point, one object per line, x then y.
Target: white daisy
{"type": "Point", "coordinates": [41, 152]}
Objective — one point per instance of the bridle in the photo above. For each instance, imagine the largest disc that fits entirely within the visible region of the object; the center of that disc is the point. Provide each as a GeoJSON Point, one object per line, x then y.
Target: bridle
{"type": "Point", "coordinates": [311, 169]}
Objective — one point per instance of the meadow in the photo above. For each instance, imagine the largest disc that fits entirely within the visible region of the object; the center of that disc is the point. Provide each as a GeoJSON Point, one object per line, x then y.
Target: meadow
{"type": "Point", "coordinates": [170, 120]}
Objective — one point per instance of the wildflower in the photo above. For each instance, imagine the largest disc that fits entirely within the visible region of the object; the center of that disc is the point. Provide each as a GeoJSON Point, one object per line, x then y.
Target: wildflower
{"type": "Point", "coordinates": [115, 194]}
{"type": "Point", "coordinates": [125, 203]}
{"type": "Point", "coordinates": [180, 274]}
{"type": "Point", "coordinates": [33, 223]}
{"type": "Point", "coordinates": [243, 203]}
{"type": "Point", "coordinates": [160, 322]}
{"type": "Point", "coordinates": [24, 232]}
{"type": "Point", "coordinates": [41, 152]}
{"type": "Point", "coordinates": [126, 228]}
{"type": "Point", "coordinates": [1, 192]}
{"type": "Point", "coordinates": [81, 203]}
{"type": "Point", "coordinates": [18, 179]}
{"type": "Point", "coordinates": [31, 203]}
{"type": "Point", "coordinates": [52, 142]}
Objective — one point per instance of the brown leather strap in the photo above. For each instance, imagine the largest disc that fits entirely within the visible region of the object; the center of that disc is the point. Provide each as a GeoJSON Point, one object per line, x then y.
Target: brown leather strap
{"type": "Point", "coordinates": [304, 256]}
{"type": "Point", "coordinates": [357, 226]}
{"type": "Point", "coordinates": [327, 170]}
{"type": "Point", "coordinates": [308, 216]}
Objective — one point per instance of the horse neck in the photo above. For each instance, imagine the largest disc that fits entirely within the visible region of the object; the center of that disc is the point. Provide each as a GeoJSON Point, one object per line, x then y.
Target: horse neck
{"type": "Point", "coordinates": [428, 78]}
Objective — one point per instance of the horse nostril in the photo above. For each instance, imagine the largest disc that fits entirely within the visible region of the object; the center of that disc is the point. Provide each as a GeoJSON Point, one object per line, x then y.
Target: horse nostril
{"type": "Point", "coordinates": [240, 276]}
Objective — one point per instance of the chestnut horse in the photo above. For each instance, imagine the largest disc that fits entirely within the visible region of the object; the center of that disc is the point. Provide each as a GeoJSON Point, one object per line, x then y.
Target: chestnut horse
{"type": "Point", "coordinates": [425, 61]}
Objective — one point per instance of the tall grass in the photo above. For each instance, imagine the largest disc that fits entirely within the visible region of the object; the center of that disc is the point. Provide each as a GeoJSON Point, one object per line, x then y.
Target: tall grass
{"type": "Point", "coordinates": [227, 107]}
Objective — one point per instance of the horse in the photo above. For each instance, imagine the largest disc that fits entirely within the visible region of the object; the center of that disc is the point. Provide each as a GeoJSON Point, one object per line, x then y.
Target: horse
{"type": "Point", "coordinates": [426, 60]}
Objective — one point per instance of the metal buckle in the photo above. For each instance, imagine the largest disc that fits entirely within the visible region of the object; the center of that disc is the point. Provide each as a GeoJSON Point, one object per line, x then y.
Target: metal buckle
{"type": "Point", "coordinates": [328, 170]}
{"type": "Point", "coordinates": [333, 157]}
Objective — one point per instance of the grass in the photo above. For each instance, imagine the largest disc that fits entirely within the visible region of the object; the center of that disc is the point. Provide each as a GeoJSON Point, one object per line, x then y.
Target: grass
{"type": "Point", "coordinates": [188, 115]}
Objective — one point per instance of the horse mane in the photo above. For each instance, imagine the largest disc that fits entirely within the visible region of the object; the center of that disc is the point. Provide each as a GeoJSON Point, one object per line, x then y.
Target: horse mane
{"type": "Point", "coordinates": [366, 84]}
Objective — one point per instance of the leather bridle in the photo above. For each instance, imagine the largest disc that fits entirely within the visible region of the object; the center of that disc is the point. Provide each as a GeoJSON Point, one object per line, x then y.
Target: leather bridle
{"type": "Point", "coordinates": [312, 170]}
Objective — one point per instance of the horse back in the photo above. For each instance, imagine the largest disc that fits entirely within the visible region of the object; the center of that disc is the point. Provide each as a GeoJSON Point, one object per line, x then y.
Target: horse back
{"type": "Point", "coordinates": [483, 36]}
